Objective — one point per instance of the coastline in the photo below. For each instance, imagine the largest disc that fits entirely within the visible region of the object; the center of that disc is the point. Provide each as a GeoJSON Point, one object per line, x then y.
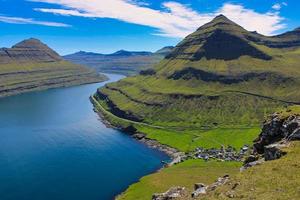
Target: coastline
{"type": "Point", "coordinates": [173, 153]}
{"type": "Point", "coordinates": [35, 88]}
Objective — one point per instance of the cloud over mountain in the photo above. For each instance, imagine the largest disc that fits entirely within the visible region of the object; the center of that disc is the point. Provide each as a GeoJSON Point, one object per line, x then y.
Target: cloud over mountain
{"type": "Point", "coordinates": [172, 20]}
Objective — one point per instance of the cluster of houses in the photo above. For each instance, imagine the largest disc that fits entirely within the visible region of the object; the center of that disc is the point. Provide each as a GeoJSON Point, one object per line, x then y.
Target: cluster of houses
{"type": "Point", "coordinates": [222, 154]}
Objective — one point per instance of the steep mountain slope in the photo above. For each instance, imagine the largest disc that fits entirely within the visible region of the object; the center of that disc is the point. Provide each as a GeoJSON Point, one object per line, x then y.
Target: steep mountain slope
{"type": "Point", "coordinates": [219, 79]}
{"type": "Point", "coordinates": [32, 65]}
{"type": "Point", "coordinates": [122, 62]}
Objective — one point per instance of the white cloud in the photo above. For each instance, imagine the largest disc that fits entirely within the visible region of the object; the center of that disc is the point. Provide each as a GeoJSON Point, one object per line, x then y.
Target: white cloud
{"type": "Point", "coordinates": [173, 20]}
{"type": "Point", "coordinates": [276, 6]}
{"type": "Point", "coordinates": [19, 20]}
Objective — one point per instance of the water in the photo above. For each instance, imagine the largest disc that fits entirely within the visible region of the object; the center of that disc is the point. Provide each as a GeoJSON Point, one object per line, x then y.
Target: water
{"type": "Point", "coordinates": [53, 146]}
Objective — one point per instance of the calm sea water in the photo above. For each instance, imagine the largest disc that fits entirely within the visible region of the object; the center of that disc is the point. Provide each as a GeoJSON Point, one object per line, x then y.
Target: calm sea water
{"type": "Point", "coordinates": [53, 147]}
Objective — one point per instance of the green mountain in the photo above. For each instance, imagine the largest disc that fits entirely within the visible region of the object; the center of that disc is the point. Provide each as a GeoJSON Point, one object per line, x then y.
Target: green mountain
{"type": "Point", "coordinates": [120, 62]}
{"type": "Point", "coordinates": [32, 65]}
{"type": "Point", "coordinates": [215, 87]}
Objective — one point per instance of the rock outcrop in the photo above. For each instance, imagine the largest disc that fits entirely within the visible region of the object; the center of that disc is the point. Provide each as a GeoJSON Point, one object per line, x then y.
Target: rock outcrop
{"type": "Point", "coordinates": [275, 129]}
{"type": "Point", "coordinates": [172, 193]}
{"type": "Point", "coordinates": [276, 134]}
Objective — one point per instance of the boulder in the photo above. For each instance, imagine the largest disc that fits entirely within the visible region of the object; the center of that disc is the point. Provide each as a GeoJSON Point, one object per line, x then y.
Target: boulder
{"type": "Point", "coordinates": [277, 129]}
{"type": "Point", "coordinates": [273, 152]}
{"type": "Point", "coordinates": [200, 189]}
{"type": "Point", "coordinates": [172, 193]}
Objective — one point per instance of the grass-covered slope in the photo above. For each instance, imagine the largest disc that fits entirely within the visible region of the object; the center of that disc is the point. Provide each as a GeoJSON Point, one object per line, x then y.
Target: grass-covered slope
{"type": "Point", "coordinates": [31, 65]}
{"type": "Point", "coordinates": [276, 179]}
{"type": "Point", "coordinates": [184, 174]}
{"type": "Point", "coordinates": [220, 77]}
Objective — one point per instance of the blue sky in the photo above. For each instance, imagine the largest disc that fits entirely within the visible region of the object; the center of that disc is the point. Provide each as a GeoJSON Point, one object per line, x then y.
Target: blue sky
{"type": "Point", "coordinates": [109, 25]}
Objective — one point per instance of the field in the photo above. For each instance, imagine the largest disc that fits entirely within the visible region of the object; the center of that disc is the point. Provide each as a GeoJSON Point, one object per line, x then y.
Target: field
{"type": "Point", "coordinates": [185, 175]}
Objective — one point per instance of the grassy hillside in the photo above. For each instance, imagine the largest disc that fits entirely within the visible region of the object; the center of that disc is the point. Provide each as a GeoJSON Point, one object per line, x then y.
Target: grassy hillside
{"type": "Point", "coordinates": [184, 174]}
{"type": "Point", "coordinates": [192, 90]}
{"type": "Point", "coordinates": [278, 179]}
{"type": "Point", "coordinates": [215, 88]}
{"type": "Point", "coordinates": [31, 65]}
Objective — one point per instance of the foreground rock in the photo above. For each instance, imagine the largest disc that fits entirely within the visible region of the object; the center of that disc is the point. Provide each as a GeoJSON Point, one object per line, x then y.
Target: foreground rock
{"type": "Point", "coordinates": [276, 134]}
{"type": "Point", "coordinates": [200, 189]}
{"type": "Point", "coordinates": [172, 193]}
{"type": "Point", "coordinates": [276, 129]}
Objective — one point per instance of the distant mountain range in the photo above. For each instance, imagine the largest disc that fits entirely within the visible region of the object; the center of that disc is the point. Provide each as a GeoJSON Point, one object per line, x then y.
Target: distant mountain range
{"type": "Point", "coordinates": [121, 62]}
{"type": "Point", "coordinates": [32, 65]}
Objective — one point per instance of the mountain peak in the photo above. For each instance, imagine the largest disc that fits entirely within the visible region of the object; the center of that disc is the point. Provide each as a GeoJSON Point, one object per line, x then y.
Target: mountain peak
{"type": "Point", "coordinates": [221, 17]}
{"type": "Point", "coordinates": [222, 22]}
{"type": "Point", "coordinates": [31, 43]}
{"type": "Point", "coordinates": [35, 50]}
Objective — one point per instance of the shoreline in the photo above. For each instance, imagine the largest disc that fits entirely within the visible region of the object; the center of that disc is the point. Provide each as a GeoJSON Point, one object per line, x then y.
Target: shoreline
{"type": "Point", "coordinates": [173, 153]}
{"type": "Point", "coordinates": [37, 88]}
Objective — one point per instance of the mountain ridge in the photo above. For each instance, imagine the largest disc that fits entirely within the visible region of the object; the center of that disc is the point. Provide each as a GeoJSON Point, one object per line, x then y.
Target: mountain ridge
{"type": "Point", "coordinates": [122, 61]}
{"type": "Point", "coordinates": [224, 87]}
{"type": "Point", "coordinates": [31, 65]}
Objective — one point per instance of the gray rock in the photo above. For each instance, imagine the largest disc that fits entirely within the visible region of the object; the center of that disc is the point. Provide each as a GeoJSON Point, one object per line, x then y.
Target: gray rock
{"type": "Point", "coordinates": [276, 129]}
{"type": "Point", "coordinates": [252, 164]}
{"type": "Point", "coordinates": [172, 193]}
{"type": "Point", "coordinates": [273, 152]}
{"type": "Point", "coordinates": [200, 189]}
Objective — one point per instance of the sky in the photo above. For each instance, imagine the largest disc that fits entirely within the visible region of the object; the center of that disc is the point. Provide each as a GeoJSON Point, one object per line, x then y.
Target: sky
{"type": "Point", "coordinates": [105, 26]}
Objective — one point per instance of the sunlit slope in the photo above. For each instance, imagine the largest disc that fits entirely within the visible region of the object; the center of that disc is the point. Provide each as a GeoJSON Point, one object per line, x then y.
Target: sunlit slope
{"type": "Point", "coordinates": [219, 76]}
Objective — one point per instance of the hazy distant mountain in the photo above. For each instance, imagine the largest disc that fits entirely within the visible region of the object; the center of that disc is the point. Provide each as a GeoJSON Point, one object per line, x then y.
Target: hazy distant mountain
{"type": "Point", "coordinates": [32, 65]}
{"type": "Point", "coordinates": [121, 62]}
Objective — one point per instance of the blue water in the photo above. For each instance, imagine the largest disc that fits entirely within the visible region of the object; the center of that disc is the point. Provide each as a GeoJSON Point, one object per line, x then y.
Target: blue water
{"type": "Point", "coordinates": [53, 147]}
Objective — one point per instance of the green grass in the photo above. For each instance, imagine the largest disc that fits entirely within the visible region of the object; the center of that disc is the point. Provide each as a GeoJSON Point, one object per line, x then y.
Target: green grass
{"type": "Point", "coordinates": [185, 174]}
{"type": "Point", "coordinates": [289, 111]}
{"type": "Point", "coordinates": [194, 113]}
{"type": "Point", "coordinates": [189, 140]}
{"type": "Point", "coordinates": [278, 179]}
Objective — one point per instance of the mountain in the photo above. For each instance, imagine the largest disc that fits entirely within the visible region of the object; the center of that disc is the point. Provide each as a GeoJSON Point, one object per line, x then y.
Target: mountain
{"type": "Point", "coordinates": [221, 79]}
{"type": "Point", "coordinates": [165, 50]}
{"type": "Point", "coordinates": [28, 51]}
{"type": "Point", "coordinates": [32, 65]}
{"type": "Point", "coordinates": [213, 90]}
{"type": "Point", "coordinates": [131, 53]}
{"type": "Point", "coordinates": [122, 62]}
